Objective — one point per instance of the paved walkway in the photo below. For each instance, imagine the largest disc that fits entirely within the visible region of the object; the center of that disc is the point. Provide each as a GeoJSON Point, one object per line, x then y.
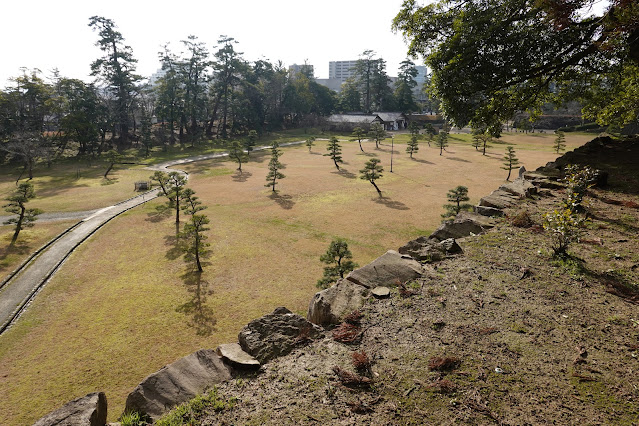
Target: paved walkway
{"type": "Point", "coordinates": [17, 291]}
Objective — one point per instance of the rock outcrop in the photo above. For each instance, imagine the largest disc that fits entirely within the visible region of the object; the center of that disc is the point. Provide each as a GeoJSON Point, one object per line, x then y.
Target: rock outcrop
{"type": "Point", "coordinates": [428, 249]}
{"type": "Point", "coordinates": [235, 356]}
{"type": "Point", "coordinates": [387, 270]}
{"type": "Point", "coordinates": [89, 410]}
{"type": "Point", "coordinates": [177, 382]}
{"type": "Point", "coordinates": [276, 334]}
{"type": "Point", "coordinates": [329, 306]}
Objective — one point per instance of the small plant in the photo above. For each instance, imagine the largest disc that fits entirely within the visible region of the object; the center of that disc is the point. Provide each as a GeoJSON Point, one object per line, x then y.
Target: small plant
{"type": "Point", "coordinates": [361, 361]}
{"type": "Point", "coordinates": [522, 220]}
{"type": "Point", "coordinates": [338, 258]}
{"type": "Point", "coordinates": [131, 418]}
{"type": "Point", "coordinates": [190, 412]}
{"type": "Point", "coordinates": [438, 363]}
{"type": "Point", "coordinates": [565, 226]}
{"type": "Point", "coordinates": [579, 180]}
{"type": "Point", "coordinates": [350, 379]}
{"type": "Point", "coordinates": [457, 196]}
{"type": "Point", "coordinates": [347, 333]}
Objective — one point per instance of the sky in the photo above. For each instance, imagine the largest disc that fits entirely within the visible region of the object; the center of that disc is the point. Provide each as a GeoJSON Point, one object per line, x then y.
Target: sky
{"type": "Point", "coordinates": [46, 34]}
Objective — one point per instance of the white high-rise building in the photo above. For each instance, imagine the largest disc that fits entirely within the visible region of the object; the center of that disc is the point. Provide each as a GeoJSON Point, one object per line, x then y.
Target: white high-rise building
{"type": "Point", "coordinates": [341, 70]}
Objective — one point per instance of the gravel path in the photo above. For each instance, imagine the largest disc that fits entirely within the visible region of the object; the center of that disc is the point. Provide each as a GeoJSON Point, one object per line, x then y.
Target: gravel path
{"type": "Point", "coordinates": [21, 287]}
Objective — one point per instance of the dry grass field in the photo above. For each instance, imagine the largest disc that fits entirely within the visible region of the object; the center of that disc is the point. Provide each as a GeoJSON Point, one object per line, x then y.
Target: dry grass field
{"type": "Point", "coordinates": [124, 304]}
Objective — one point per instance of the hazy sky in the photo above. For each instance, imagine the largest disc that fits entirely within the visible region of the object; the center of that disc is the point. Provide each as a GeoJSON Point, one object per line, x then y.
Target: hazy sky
{"type": "Point", "coordinates": [54, 33]}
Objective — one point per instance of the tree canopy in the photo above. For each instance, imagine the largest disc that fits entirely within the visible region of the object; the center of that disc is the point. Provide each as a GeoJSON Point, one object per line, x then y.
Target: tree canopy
{"type": "Point", "coordinates": [490, 60]}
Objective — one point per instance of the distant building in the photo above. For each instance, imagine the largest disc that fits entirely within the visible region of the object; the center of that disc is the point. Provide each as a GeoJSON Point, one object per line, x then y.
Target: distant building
{"type": "Point", "coordinates": [347, 122]}
{"type": "Point", "coordinates": [341, 70]}
{"type": "Point", "coordinates": [307, 68]}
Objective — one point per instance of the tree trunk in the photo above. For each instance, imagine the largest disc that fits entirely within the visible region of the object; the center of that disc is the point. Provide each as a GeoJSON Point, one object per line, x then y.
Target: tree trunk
{"type": "Point", "coordinates": [18, 226]}
{"type": "Point", "coordinates": [375, 185]}
{"type": "Point", "coordinates": [108, 170]}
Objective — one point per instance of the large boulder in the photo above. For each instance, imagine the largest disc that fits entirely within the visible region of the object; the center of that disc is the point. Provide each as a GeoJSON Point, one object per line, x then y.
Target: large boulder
{"type": "Point", "coordinates": [458, 228]}
{"type": "Point", "coordinates": [520, 188]}
{"type": "Point", "coordinates": [499, 199]}
{"type": "Point", "coordinates": [88, 410]}
{"type": "Point", "coordinates": [276, 334]}
{"type": "Point", "coordinates": [387, 270]}
{"type": "Point", "coordinates": [426, 249]}
{"type": "Point", "coordinates": [177, 382]}
{"type": "Point", "coordinates": [329, 306]}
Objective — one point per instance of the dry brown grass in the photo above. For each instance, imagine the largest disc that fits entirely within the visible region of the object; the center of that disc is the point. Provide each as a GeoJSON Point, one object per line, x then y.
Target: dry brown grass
{"type": "Point", "coordinates": [119, 309]}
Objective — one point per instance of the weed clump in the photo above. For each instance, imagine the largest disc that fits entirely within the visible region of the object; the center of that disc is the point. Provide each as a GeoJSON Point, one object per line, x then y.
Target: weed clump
{"type": "Point", "coordinates": [438, 363]}
{"type": "Point", "coordinates": [522, 220]}
{"type": "Point", "coordinates": [347, 333]}
{"type": "Point", "coordinates": [361, 361]}
{"type": "Point", "coordinates": [444, 386]}
{"type": "Point", "coordinates": [351, 379]}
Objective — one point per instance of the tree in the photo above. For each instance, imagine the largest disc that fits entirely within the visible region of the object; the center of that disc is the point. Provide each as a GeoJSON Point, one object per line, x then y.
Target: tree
{"type": "Point", "coordinates": [359, 134]}
{"type": "Point", "coordinates": [377, 133]}
{"type": "Point", "coordinates": [274, 167]}
{"type": "Point", "coordinates": [163, 180]}
{"type": "Point", "coordinates": [338, 258]}
{"type": "Point", "coordinates": [192, 70]}
{"type": "Point", "coordinates": [310, 141]}
{"type": "Point", "coordinates": [350, 98]}
{"type": "Point", "coordinates": [29, 147]}
{"type": "Point", "coordinates": [112, 157]}
{"type": "Point", "coordinates": [117, 70]}
{"type": "Point", "coordinates": [404, 87]}
{"type": "Point", "coordinates": [560, 142]}
{"type": "Point", "coordinates": [371, 172]}
{"type": "Point", "coordinates": [16, 205]}
{"type": "Point", "coordinates": [228, 64]}
{"type": "Point", "coordinates": [477, 139]}
{"type": "Point", "coordinates": [193, 232]}
{"type": "Point", "coordinates": [237, 154]}
{"type": "Point", "coordinates": [413, 144]}
{"type": "Point", "coordinates": [175, 188]}
{"type": "Point", "coordinates": [442, 141]}
{"type": "Point", "coordinates": [493, 59]}
{"type": "Point", "coordinates": [250, 141]}
{"type": "Point", "coordinates": [334, 151]}
{"type": "Point", "coordinates": [510, 160]}
{"type": "Point", "coordinates": [430, 131]}
{"type": "Point", "coordinates": [457, 196]}
{"type": "Point", "coordinates": [365, 70]}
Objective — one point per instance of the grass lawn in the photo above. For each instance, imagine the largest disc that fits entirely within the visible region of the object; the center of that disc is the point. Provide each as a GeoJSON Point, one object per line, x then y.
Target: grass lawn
{"type": "Point", "coordinates": [124, 304]}
{"type": "Point", "coordinates": [29, 240]}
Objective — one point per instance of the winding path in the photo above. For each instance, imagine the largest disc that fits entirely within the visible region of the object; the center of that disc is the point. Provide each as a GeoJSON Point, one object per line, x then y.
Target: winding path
{"type": "Point", "coordinates": [22, 285]}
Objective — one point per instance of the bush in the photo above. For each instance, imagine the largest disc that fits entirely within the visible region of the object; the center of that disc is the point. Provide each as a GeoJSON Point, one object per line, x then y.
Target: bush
{"type": "Point", "coordinates": [565, 226]}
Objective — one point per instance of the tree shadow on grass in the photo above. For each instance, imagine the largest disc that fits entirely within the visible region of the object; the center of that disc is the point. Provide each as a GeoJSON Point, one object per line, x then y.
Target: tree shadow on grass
{"type": "Point", "coordinates": [418, 160]}
{"type": "Point", "coordinates": [368, 154]}
{"type": "Point", "coordinates": [242, 177]}
{"type": "Point", "coordinates": [458, 159]}
{"type": "Point", "coordinates": [108, 181]}
{"type": "Point", "coordinates": [176, 246]}
{"type": "Point", "coordinates": [161, 213]}
{"type": "Point", "coordinates": [284, 201]}
{"type": "Point", "coordinates": [345, 173]}
{"type": "Point", "coordinates": [201, 315]}
{"type": "Point", "coordinates": [391, 204]}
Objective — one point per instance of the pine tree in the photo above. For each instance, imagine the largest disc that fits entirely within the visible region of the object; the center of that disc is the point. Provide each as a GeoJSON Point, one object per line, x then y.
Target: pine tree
{"type": "Point", "coordinates": [16, 205]}
{"type": "Point", "coordinates": [195, 246]}
{"type": "Point", "coordinates": [430, 131]}
{"type": "Point", "coordinates": [377, 133]}
{"type": "Point", "coordinates": [560, 142]}
{"type": "Point", "coordinates": [442, 141]}
{"type": "Point", "coordinates": [237, 154]}
{"type": "Point", "coordinates": [338, 258]}
{"type": "Point", "coordinates": [457, 196]}
{"type": "Point", "coordinates": [477, 139]}
{"type": "Point", "coordinates": [310, 142]}
{"type": "Point", "coordinates": [413, 144]}
{"type": "Point", "coordinates": [334, 151]}
{"type": "Point", "coordinates": [274, 167]}
{"type": "Point", "coordinates": [371, 172]}
{"type": "Point", "coordinates": [250, 142]}
{"type": "Point", "coordinates": [175, 186]}
{"type": "Point", "coordinates": [510, 160]}
{"type": "Point", "coordinates": [359, 134]}
{"type": "Point", "coordinates": [162, 179]}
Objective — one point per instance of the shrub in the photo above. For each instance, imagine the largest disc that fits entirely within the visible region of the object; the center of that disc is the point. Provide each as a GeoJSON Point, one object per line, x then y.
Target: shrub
{"type": "Point", "coordinates": [565, 226]}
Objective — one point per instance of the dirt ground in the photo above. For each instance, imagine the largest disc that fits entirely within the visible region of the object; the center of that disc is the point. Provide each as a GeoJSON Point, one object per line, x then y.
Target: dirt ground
{"type": "Point", "coordinates": [502, 334]}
